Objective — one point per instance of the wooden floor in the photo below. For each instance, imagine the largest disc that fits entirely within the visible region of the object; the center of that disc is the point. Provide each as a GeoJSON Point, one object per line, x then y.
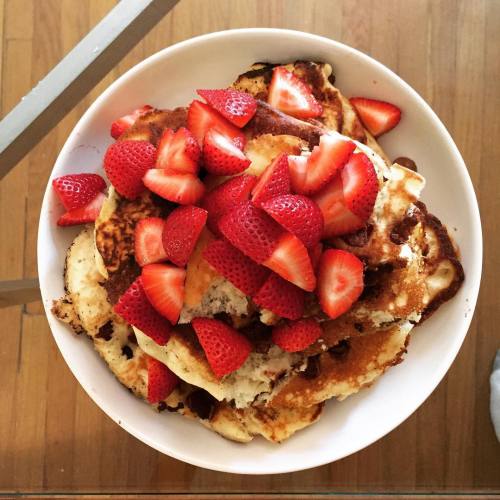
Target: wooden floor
{"type": "Point", "coordinates": [54, 439]}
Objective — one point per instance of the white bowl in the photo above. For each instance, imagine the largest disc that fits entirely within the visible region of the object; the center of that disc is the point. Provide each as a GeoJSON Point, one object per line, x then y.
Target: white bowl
{"type": "Point", "coordinates": [168, 79]}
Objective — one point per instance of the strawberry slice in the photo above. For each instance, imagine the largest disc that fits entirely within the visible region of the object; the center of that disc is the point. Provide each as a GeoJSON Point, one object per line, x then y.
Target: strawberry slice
{"type": "Point", "coordinates": [135, 308]}
{"type": "Point", "coordinates": [181, 232]}
{"type": "Point", "coordinates": [221, 156]}
{"type": "Point", "coordinates": [83, 215]}
{"type": "Point", "coordinates": [377, 116]}
{"type": "Point", "coordinates": [290, 94]}
{"type": "Point", "coordinates": [78, 190]}
{"type": "Point", "coordinates": [225, 348]}
{"type": "Point", "coordinates": [201, 117]}
{"type": "Point", "coordinates": [340, 281]}
{"type": "Point", "coordinates": [147, 241]}
{"type": "Point", "coordinates": [360, 185]}
{"type": "Point", "coordinates": [119, 126]}
{"type": "Point", "coordinates": [237, 107]}
{"type": "Point", "coordinates": [298, 172]}
{"type": "Point", "coordinates": [126, 162]}
{"type": "Point", "coordinates": [297, 214]}
{"type": "Point", "coordinates": [185, 189]}
{"type": "Point", "coordinates": [281, 297]}
{"type": "Point", "coordinates": [178, 152]}
{"type": "Point", "coordinates": [291, 261]}
{"type": "Point", "coordinates": [235, 266]}
{"type": "Point", "coordinates": [297, 336]}
{"type": "Point", "coordinates": [274, 181]}
{"type": "Point", "coordinates": [161, 381]}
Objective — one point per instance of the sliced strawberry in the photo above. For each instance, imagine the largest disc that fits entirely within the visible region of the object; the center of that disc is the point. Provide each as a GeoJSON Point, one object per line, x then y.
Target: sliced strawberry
{"type": "Point", "coordinates": [185, 189]}
{"type": "Point", "coordinates": [161, 381]}
{"type": "Point", "coordinates": [360, 185]}
{"type": "Point", "coordinates": [126, 162]}
{"type": "Point", "coordinates": [178, 152]}
{"type": "Point", "coordinates": [241, 271]}
{"type": "Point", "coordinates": [221, 156]}
{"type": "Point", "coordinates": [377, 116]}
{"type": "Point", "coordinates": [297, 214]}
{"type": "Point", "coordinates": [119, 126]}
{"type": "Point", "coordinates": [78, 190]}
{"type": "Point", "coordinates": [181, 232]}
{"type": "Point", "coordinates": [237, 107]}
{"type": "Point", "coordinates": [251, 230]}
{"type": "Point", "coordinates": [315, 255]}
{"type": "Point", "coordinates": [297, 336]}
{"type": "Point", "coordinates": [281, 297]}
{"type": "Point", "coordinates": [135, 308]}
{"type": "Point", "coordinates": [201, 118]}
{"type": "Point", "coordinates": [83, 215]}
{"type": "Point", "coordinates": [298, 172]}
{"type": "Point", "coordinates": [225, 197]}
{"type": "Point", "coordinates": [147, 241]}
{"type": "Point", "coordinates": [274, 181]}
{"type": "Point", "coordinates": [290, 94]}
{"type": "Point", "coordinates": [340, 281]}
{"type": "Point", "coordinates": [225, 348]}
{"type": "Point", "coordinates": [291, 261]}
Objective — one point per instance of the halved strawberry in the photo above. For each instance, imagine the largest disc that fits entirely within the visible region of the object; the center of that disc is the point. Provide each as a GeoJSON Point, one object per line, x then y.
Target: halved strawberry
{"type": "Point", "coordinates": [181, 232]}
{"type": "Point", "coordinates": [178, 152]}
{"type": "Point", "coordinates": [225, 348]}
{"type": "Point", "coordinates": [135, 308]}
{"type": "Point", "coordinates": [201, 118]}
{"type": "Point", "coordinates": [291, 261]}
{"type": "Point", "coordinates": [274, 181]}
{"type": "Point", "coordinates": [164, 287]}
{"type": "Point", "coordinates": [147, 241]}
{"type": "Point", "coordinates": [221, 156]}
{"type": "Point", "coordinates": [119, 126]}
{"type": "Point", "coordinates": [281, 297]}
{"type": "Point", "coordinates": [161, 381]}
{"type": "Point", "coordinates": [297, 336]}
{"type": "Point", "coordinates": [298, 172]}
{"type": "Point", "coordinates": [185, 189]}
{"type": "Point", "coordinates": [78, 190]}
{"type": "Point", "coordinates": [377, 116]}
{"type": "Point", "coordinates": [83, 215]}
{"type": "Point", "coordinates": [299, 215]}
{"type": "Point", "coordinates": [340, 281]}
{"type": "Point", "coordinates": [237, 107]}
{"type": "Point", "coordinates": [290, 94]}
{"type": "Point", "coordinates": [235, 266]}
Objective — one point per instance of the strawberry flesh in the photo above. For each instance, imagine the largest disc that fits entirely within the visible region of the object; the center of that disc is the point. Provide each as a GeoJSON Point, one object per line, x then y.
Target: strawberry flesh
{"type": "Point", "coordinates": [83, 215]}
{"type": "Point", "coordinates": [377, 116]}
{"type": "Point", "coordinates": [78, 190]}
{"type": "Point", "coordinates": [161, 381]}
{"type": "Point", "coordinates": [297, 336]}
{"type": "Point", "coordinates": [147, 241]}
{"type": "Point", "coordinates": [178, 152]}
{"type": "Point", "coordinates": [274, 181]}
{"type": "Point", "coordinates": [185, 189]}
{"type": "Point", "coordinates": [221, 156]}
{"type": "Point", "coordinates": [298, 172]}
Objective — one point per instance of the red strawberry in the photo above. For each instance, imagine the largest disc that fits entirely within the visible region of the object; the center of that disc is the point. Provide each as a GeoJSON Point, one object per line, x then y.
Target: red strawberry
{"type": "Point", "coordinates": [178, 152]}
{"type": "Point", "coordinates": [185, 189]}
{"type": "Point", "coordinates": [297, 336]}
{"type": "Point", "coordinates": [147, 241]}
{"type": "Point", "coordinates": [126, 162]}
{"type": "Point", "coordinates": [221, 156]}
{"type": "Point", "coordinates": [225, 197]}
{"type": "Point", "coordinates": [298, 171]}
{"type": "Point", "coordinates": [281, 297]}
{"type": "Point", "coordinates": [83, 215]}
{"type": "Point", "coordinates": [340, 281]}
{"type": "Point", "coordinates": [164, 287]}
{"type": "Point", "coordinates": [297, 214]}
{"type": "Point", "coordinates": [360, 185]}
{"type": "Point", "coordinates": [290, 94]}
{"type": "Point", "coordinates": [202, 117]}
{"type": "Point", "coordinates": [251, 230]}
{"type": "Point", "coordinates": [161, 381]}
{"type": "Point", "coordinates": [237, 107]}
{"type": "Point", "coordinates": [377, 116]}
{"type": "Point", "coordinates": [118, 127]}
{"type": "Point", "coordinates": [241, 271]}
{"type": "Point", "coordinates": [181, 232]}
{"type": "Point", "coordinates": [315, 255]}
{"type": "Point", "coordinates": [78, 190]}
{"type": "Point", "coordinates": [226, 349]}
{"type": "Point", "coordinates": [135, 308]}
{"type": "Point", "coordinates": [274, 181]}
{"type": "Point", "coordinates": [291, 261]}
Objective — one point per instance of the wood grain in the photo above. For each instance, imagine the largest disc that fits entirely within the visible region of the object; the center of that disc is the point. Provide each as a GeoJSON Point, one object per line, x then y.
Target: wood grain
{"type": "Point", "coordinates": [53, 438]}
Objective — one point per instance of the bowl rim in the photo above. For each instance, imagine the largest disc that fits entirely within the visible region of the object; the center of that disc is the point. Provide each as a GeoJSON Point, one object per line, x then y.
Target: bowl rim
{"type": "Point", "coordinates": [473, 275]}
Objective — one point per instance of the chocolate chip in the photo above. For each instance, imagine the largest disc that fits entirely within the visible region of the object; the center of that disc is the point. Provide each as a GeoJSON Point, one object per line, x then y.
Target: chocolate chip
{"type": "Point", "coordinates": [373, 278]}
{"type": "Point", "coordinates": [359, 238]}
{"type": "Point", "coordinates": [201, 403]}
{"type": "Point", "coordinates": [106, 331]}
{"type": "Point", "coordinates": [132, 338]}
{"type": "Point", "coordinates": [162, 406]}
{"type": "Point", "coordinates": [173, 409]}
{"type": "Point", "coordinates": [406, 162]}
{"type": "Point", "coordinates": [127, 351]}
{"type": "Point", "coordinates": [401, 231]}
{"type": "Point", "coordinates": [313, 368]}
{"type": "Point", "coordinates": [359, 327]}
{"type": "Point", "coordinates": [340, 350]}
